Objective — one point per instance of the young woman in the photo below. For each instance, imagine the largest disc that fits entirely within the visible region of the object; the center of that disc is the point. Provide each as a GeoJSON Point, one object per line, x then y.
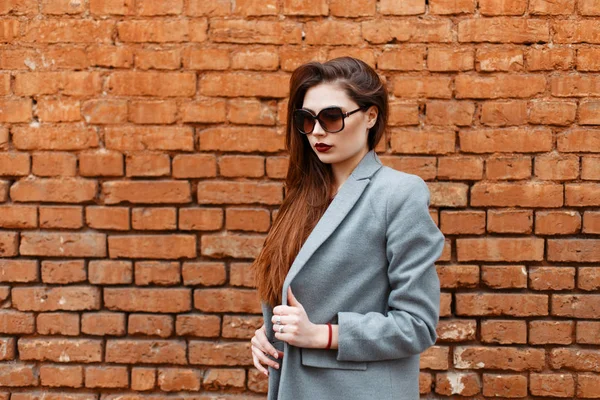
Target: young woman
{"type": "Point", "coordinates": [349, 290]}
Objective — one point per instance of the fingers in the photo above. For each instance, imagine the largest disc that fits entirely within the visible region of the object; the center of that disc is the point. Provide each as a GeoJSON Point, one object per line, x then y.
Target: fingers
{"type": "Point", "coordinates": [258, 365]}
{"type": "Point", "coordinates": [263, 359]}
{"type": "Point", "coordinates": [263, 344]}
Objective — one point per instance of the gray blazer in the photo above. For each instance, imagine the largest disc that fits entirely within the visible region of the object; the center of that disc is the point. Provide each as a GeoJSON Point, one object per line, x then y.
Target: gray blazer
{"type": "Point", "coordinates": [367, 266]}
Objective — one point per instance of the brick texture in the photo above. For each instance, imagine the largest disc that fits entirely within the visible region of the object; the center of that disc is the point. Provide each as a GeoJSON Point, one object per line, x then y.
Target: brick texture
{"type": "Point", "coordinates": [142, 162]}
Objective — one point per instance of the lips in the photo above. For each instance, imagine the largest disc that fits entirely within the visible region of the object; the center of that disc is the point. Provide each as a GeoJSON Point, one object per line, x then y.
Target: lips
{"type": "Point", "coordinates": [322, 147]}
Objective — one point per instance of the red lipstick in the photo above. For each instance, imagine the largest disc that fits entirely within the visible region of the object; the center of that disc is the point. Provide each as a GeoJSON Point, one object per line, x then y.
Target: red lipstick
{"type": "Point", "coordinates": [322, 147]}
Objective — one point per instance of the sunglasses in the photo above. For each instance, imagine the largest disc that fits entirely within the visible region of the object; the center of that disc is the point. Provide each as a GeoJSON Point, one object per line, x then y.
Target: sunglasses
{"type": "Point", "coordinates": [331, 119]}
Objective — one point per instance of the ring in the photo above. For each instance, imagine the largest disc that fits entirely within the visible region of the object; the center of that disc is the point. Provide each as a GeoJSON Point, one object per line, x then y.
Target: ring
{"type": "Point", "coordinates": [281, 329]}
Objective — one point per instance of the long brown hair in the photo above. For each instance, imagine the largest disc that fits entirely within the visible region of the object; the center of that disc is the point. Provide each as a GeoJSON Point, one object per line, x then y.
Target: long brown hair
{"type": "Point", "coordinates": [309, 181]}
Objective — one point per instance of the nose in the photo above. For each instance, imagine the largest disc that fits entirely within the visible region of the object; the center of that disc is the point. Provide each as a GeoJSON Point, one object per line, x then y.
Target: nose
{"type": "Point", "coordinates": [318, 130]}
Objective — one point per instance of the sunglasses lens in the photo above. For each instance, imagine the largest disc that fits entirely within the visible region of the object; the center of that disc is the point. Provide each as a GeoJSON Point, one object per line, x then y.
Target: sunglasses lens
{"type": "Point", "coordinates": [303, 121]}
{"type": "Point", "coordinates": [331, 119]}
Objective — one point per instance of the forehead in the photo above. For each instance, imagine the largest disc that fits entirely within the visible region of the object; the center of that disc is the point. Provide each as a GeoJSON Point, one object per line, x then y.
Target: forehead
{"type": "Point", "coordinates": [326, 95]}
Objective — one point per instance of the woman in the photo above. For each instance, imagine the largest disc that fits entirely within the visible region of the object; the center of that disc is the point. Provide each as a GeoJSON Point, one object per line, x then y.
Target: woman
{"type": "Point", "coordinates": [349, 290]}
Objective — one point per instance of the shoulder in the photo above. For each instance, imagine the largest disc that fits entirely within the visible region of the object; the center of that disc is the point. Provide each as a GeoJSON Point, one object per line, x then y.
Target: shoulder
{"type": "Point", "coordinates": [397, 186]}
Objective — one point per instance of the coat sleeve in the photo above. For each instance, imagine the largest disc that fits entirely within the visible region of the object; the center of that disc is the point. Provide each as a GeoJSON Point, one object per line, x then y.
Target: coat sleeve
{"type": "Point", "coordinates": [413, 244]}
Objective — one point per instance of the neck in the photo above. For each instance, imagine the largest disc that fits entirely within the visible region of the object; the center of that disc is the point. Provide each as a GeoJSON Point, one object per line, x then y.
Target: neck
{"type": "Point", "coordinates": [342, 170]}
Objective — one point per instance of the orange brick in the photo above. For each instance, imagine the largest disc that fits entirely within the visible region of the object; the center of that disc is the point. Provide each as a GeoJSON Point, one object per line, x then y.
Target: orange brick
{"type": "Point", "coordinates": [103, 323]}
{"type": "Point", "coordinates": [453, 276]}
{"type": "Point", "coordinates": [516, 305]}
{"type": "Point", "coordinates": [499, 59]}
{"type": "Point", "coordinates": [106, 377]}
{"type": "Point", "coordinates": [463, 222]}
{"type": "Point", "coordinates": [588, 332]}
{"type": "Point", "coordinates": [150, 325]}
{"type": "Point", "coordinates": [557, 167]}
{"type": "Point", "coordinates": [240, 327]}
{"type": "Point", "coordinates": [557, 222]}
{"type": "Point", "coordinates": [552, 112]}
{"type": "Point", "coordinates": [251, 112]}
{"type": "Point", "coordinates": [143, 379]}
{"type": "Point", "coordinates": [504, 385]}
{"type": "Point", "coordinates": [510, 221]}
{"type": "Point", "coordinates": [18, 216]}
{"type": "Point", "coordinates": [245, 219]}
{"type": "Point", "coordinates": [154, 218]}
{"type": "Point", "coordinates": [203, 273]}
{"type": "Point", "coordinates": [551, 332]}
{"type": "Point", "coordinates": [504, 276]}
{"type": "Point", "coordinates": [227, 300]}
{"type": "Point", "coordinates": [63, 272]}
{"type": "Point", "coordinates": [178, 379]}
{"type": "Point", "coordinates": [503, 331]}
{"type": "Point", "coordinates": [61, 376]}
{"type": "Point", "coordinates": [588, 278]}
{"type": "Point", "coordinates": [198, 325]}
{"type": "Point", "coordinates": [66, 324]}
{"type": "Point", "coordinates": [157, 273]}
{"type": "Point", "coordinates": [540, 58]}
{"type": "Point", "coordinates": [503, 113]}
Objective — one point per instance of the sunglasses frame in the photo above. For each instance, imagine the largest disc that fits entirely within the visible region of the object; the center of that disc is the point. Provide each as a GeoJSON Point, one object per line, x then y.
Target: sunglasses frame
{"type": "Point", "coordinates": [317, 117]}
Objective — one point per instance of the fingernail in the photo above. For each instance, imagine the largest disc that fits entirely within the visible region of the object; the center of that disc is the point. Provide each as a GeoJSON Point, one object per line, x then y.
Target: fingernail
{"type": "Point", "coordinates": [275, 355]}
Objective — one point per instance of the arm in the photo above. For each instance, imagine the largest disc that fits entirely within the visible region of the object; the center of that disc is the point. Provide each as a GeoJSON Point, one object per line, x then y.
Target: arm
{"type": "Point", "coordinates": [413, 244]}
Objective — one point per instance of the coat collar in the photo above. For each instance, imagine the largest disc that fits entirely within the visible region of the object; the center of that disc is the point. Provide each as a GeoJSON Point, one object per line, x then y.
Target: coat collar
{"type": "Point", "coordinates": [347, 196]}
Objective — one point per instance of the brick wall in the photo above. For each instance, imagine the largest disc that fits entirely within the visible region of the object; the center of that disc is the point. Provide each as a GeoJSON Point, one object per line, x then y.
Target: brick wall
{"type": "Point", "coordinates": [141, 161]}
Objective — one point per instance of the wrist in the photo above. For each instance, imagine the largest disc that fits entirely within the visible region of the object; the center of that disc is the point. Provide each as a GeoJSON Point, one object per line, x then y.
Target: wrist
{"type": "Point", "coordinates": [321, 337]}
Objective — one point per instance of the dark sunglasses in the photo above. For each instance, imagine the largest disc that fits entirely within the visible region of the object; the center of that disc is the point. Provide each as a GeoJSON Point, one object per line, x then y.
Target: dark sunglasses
{"type": "Point", "coordinates": [331, 119]}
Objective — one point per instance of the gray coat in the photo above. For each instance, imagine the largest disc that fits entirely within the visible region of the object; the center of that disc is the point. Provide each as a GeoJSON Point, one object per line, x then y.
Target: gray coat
{"type": "Point", "coordinates": [367, 266]}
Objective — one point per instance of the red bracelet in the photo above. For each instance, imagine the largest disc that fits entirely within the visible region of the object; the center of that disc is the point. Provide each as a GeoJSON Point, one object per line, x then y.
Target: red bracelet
{"type": "Point", "coordinates": [330, 334]}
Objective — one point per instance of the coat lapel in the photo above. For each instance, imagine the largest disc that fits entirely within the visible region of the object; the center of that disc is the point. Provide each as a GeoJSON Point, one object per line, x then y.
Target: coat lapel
{"type": "Point", "coordinates": [341, 205]}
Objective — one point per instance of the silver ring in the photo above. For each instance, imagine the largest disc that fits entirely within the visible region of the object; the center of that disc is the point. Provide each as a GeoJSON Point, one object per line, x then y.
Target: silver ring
{"type": "Point", "coordinates": [281, 329]}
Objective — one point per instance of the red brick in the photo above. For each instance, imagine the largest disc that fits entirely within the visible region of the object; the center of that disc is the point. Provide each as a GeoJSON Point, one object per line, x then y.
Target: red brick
{"type": "Point", "coordinates": [19, 271]}
{"type": "Point", "coordinates": [9, 244]}
{"type": "Point", "coordinates": [60, 350]}
{"type": "Point", "coordinates": [227, 300]}
{"type": "Point", "coordinates": [588, 385]}
{"type": "Point", "coordinates": [551, 278]}
{"type": "Point", "coordinates": [403, 59]}
{"type": "Point", "coordinates": [588, 278]}
{"type": "Point", "coordinates": [587, 59]}
{"type": "Point", "coordinates": [500, 249]}
{"type": "Point", "coordinates": [255, 58]}
{"type": "Point", "coordinates": [61, 376]}
{"type": "Point", "coordinates": [435, 357]}
{"type": "Point", "coordinates": [148, 7]}
{"type": "Point", "coordinates": [549, 58]}
{"type": "Point", "coordinates": [584, 194]}
{"type": "Point", "coordinates": [152, 246]}
{"type": "Point", "coordinates": [449, 59]}
{"type": "Point", "coordinates": [584, 31]}
{"type": "Point", "coordinates": [541, 7]}
{"type": "Point", "coordinates": [573, 250]}
{"type": "Point", "coordinates": [12, 111]}
{"type": "Point", "coordinates": [574, 85]}
{"type": "Point", "coordinates": [112, 7]}
{"type": "Point", "coordinates": [497, 304]}
{"type": "Point", "coordinates": [588, 332]}
{"type": "Point", "coordinates": [510, 7]}
{"type": "Point", "coordinates": [67, 298]}
{"type": "Point", "coordinates": [499, 86]}
{"type": "Point", "coordinates": [450, 113]}
{"type": "Point", "coordinates": [425, 167]}
{"type": "Point", "coordinates": [241, 274]}
{"type": "Point", "coordinates": [503, 331]}
{"type": "Point", "coordinates": [401, 114]}
{"type": "Point", "coordinates": [66, 324]}
{"type": "Point", "coordinates": [198, 325]}
{"type": "Point", "coordinates": [163, 84]}
{"type": "Point", "coordinates": [255, 31]}
{"type": "Point", "coordinates": [591, 222]}
{"type": "Point", "coordinates": [463, 384]}
{"type": "Point", "coordinates": [246, 219]}
{"type": "Point", "coordinates": [237, 246]}
{"type": "Point", "coordinates": [503, 113]}
{"type": "Point", "coordinates": [55, 190]}
{"type": "Point", "coordinates": [154, 218]}
{"type": "Point", "coordinates": [552, 112]}
{"type": "Point", "coordinates": [504, 385]}
{"type": "Point", "coordinates": [252, 7]}
{"type": "Point", "coordinates": [106, 377]}
{"type": "Point", "coordinates": [229, 354]}
{"type": "Point", "coordinates": [103, 323]}
{"type": "Point", "coordinates": [62, 110]}
{"type": "Point", "coordinates": [333, 32]}
{"type": "Point", "coordinates": [575, 359]}
{"type": "Point", "coordinates": [13, 375]}
{"type": "Point", "coordinates": [143, 379]}
{"type": "Point", "coordinates": [157, 273]}
{"type": "Point", "coordinates": [433, 87]}
{"type": "Point", "coordinates": [504, 30]}
{"type": "Point", "coordinates": [136, 138]}
{"type": "Point", "coordinates": [576, 306]}
{"type": "Point", "coordinates": [425, 382]}
{"type": "Point", "coordinates": [150, 325]}
{"type": "Point", "coordinates": [510, 221]}
{"type": "Point", "coordinates": [178, 379]}
{"type": "Point", "coordinates": [447, 7]}
{"type": "Point", "coordinates": [251, 112]}
{"type": "Point", "coordinates": [15, 322]}
{"type": "Point", "coordinates": [194, 166]}
{"type": "Point", "coordinates": [590, 168]}
{"type": "Point", "coordinates": [506, 140]}
{"type": "Point", "coordinates": [453, 276]}
{"type": "Point", "coordinates": [163, 30]}
{"type": "Point", "coordinates": [241, 139]}
{"type": "Point", "coordinates": [550, 332]}
{"type": "Point", "coordinates": [147, 300]}
{"type": "Point", "coordinates": [339, 8]}
{"type": "Point", "coordinates": [242, 166]}
{"type": "Point", "coordinates": [557, 222]}
{"type": "Point", "coordinates": [197, 8]}
{"type": "Point", "coordinates": [226, 192]}
{"type": "Point", "coordinates": [557, 167]}
{"type": "Point", "coordinates": [59, 244]}
{"type": "Point", "coordinates": [101, 163]}
{"type": "Point", "coordinates": [69, 83]}
{"type": "Point", "coordinates": [446, 194]}
{"type": "Point", "coordinates": [499, 59]}
{"type": "Point", "coordinates": [445, 304]}
{"type": "Point", "coordinates": [146, 351]}
{"type": "Point", "coordinates": [504, 276]}
{"type": "Point", "coordinates": [462, 222]}
{"type": "Point", "coordinates": [69, 217]}
{"type": "Point", "coordinates": [240, 327]}
{"type": "Point", "coordinates": [110, 272]}
{"type": "Point", "coordinates": [412, 30]}
{"type": "Point", "coordinates": [292, 57]}
{"type": "Point", "coordinates": [528, 194]}
{"type": "Point", "coordinates": [504, 358]}
{"type": "Point", "coordinates": [203, 273]}
{"type": "Point", "coordinates": [14, 164]}
{"type": "Point", "coordinates": [456, 330]}
{"type": "Point", "coordinates": [219, 379]}
{"type": "Point", "coordinates": [427, 141]}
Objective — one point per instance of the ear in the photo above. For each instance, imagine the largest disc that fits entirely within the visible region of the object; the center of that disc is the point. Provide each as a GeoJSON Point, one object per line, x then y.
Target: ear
{"type": "Point", "coordinates": [372, 113]}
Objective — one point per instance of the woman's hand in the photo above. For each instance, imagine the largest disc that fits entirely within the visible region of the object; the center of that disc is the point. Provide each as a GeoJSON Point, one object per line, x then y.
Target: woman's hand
{"type": "Point", "coordinates": [261, 346]}
{"type": "Point", "coordinates": [297, 328]}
